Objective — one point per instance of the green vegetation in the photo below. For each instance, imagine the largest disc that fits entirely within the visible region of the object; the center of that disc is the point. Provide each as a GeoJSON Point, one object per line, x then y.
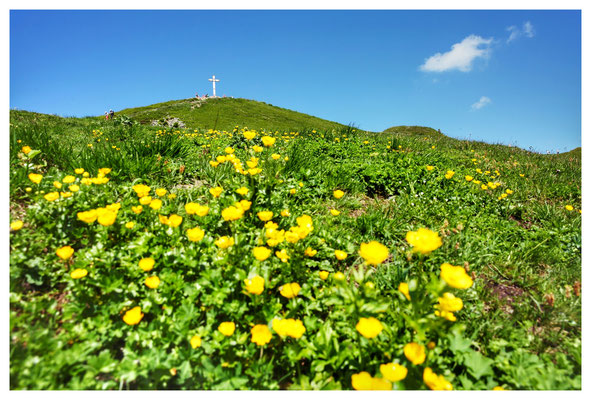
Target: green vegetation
{"type": "Point", "coordinates": [226, 113]}
{"type": "Point", "coordinates": [508, 219]}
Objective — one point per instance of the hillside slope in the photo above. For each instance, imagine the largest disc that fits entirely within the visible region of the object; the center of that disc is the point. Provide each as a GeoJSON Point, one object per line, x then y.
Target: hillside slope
{"type": "Point", "coordinates": [226, 113]}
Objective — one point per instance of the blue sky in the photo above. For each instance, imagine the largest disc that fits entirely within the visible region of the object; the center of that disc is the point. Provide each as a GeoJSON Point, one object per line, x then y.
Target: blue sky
{"type": "Point", "coordinates": [511, 77]}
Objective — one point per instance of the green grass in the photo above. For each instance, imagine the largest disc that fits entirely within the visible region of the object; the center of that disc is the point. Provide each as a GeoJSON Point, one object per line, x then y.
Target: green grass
{"type": "Point", "coordinates": [523, 319]}
{"type": "Point", "coordinates": [226, 113]}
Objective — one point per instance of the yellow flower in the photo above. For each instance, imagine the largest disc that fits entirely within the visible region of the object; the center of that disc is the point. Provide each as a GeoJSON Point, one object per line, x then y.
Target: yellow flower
{"type": "Point", "coordinates": [254, 171]}
{"type": "Point", "coordinates": [69, 179]}
{"type": "Point", "coordinates": [64, 252]}
{"type": "Point", "coordinates": [498, 388]}
{"type": "Point", "coordinates": [161, 192]}
{"type": "Point", "coordinates": [429, 167]}
{"type": "Point", "coordinates": [282, 255]}
{"type": "Point", "coordinates": [78, 273]}
{"type": "Point", "coordinates": [309, 252]}
{"type": "Point", "coordinates": [369, 327]}
{"type": "Point", "coordinates": [446, 314]}
{"type": "Point", "coordinates": [450, 303]}
{"type": "Point", "coordinates": [16, 225]}
{"type": "Point", "coordinates": [340, 255]}
{"type": "Point", "coordinates": [152, 282]}
{"type": "Point", "coordinates": [373, 253]}
{"type": "Point", "coordinates": [261, 253]}
{"type": "Point", "coordinates": [456, 277]}
{"type": "Point", "coordinates": [52, 196]}
{"type": "Point", "coordinates": [87, 216]}
{"type": "Point", "coordinates": [146, 264]}
{"type": "Point", "coordinates": [156, 204]}
{"type": "Point", "coordinates": [130, 224]}
{"type": "Point", "coordinates": [145, 200]}
{"type": "Point", "coordinates": [79, 171]}
{"type": "Point", "coordinates": [224, 242]}
{"type": "Point", "coordinates": [113, 207]}
{"type": "Point", "coordinates": [285, 213]}
{"type": "Point", "coordinates": [26, 149]}
{"type": "Point", "coordinates": [275, 156]}
{"type": "Point", "coordinates": [249, 134]}
{"type": "Point", "coordinates": [293, 191]}
{"type": "Point", "coordinates": [133, 316]}
{"type": "Point", "coordinates": [85, 174]}
{"type": "Point", "coordinates": [335, 212]}
{"type": "Point", "coordinates": [66, 194]}
{"type": "Point", "coordinates": [290, 290]}
{"type": "Point", "coordinates": [255, 285]}
{"type": "Point", "coordinates": [73, 188]}
{"type": "Point", "coordinates": [403, 288]}
{"type": "Point", "coordinates": [338, 194]}
{"type": "Point", "coordinates": [195, 342]}
{"type": "Point", "coordinates": [469, 178]}
{"type": "Point", "coordinates": [268, 141]}
{"type": "Point", "coordinates": [232, 213]}
{"type": "Point", "coordinates": [393, 372]}
{"type": "Point", "coordinates": [242, 191]}
{"type": "Point", "coordinates": [57, 184]}
{"type": "Point", "coordinates": [288, 327]}
{"type": "Point", "coordinates": [244, 205]}
{"type": "Point", "coordinates": [257, 149]}
{"type": "Point", "coordinates": [137, 209]}
{"type": "Point", "coordinates": [364, 381]}
{"type": "Point", "coordinates": [568, 207]}
{"type": "Point", "coordinates": [106, 217]}
{"type": "Point", "coordinates": [195, 234]}
{"type": "Point", "coordinates": [434, 381]}
{"type": "Point", "coordinates": [104, 171]}
{"type": "Point", "coordinates": [261, 334]}
{"type": "Point", "coordinates": [361, 381]}
{"type": "Point", "coordinates": [216, 191]}
{"type": "Point", "coordinates": [227, 328]}
{"type": "Point", "coordinates": [253, 162]}
{"type": "Point", "coordinates": [449, 174]}
{"type": "Point", "coordinates": [193, 208]}
{"type": "Point", "coordinates": [323, 274]}
{"type": "Point", "coordinates": [415, 353]}
{"type": "Point", "coordinates": [229, 150]}
{"type": "Point", "coordinates": [265, 215]}
{"type": "Point", "coordinates": [509, 191]}
{"type": "Point", "coordinates": [339, 276]}
{"type": "Point", "coordinates": [483, 187]}
{"type": "Point", "coordinates": [423, 240]}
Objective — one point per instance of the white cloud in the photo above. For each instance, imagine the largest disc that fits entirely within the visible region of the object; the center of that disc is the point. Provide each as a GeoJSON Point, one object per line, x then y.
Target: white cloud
{"type": "Point", "coordinates": [460, 56]}
{"type": "Point", "coordinates": [528, 29]}
{"type": "Point", "coordinates": [481, 103]}
{"type": "Point", "coordinates": [514, 33]}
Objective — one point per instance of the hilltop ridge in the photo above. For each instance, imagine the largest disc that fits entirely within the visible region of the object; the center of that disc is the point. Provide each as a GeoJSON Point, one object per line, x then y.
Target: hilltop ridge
{"type": "Point", "coordinates": [226, 113]}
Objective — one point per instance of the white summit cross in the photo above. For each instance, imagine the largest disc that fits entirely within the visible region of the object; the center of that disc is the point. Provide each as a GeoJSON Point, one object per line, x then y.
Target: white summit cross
{"type": "Point", "coordinates": [214, 81]}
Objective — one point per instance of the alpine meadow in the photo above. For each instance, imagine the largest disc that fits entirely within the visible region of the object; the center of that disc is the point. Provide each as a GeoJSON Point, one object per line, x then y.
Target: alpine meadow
{"type": "Point", "coordinates": [221, 243]}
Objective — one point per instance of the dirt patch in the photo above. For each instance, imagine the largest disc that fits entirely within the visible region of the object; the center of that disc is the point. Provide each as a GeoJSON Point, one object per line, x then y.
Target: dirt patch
{"type": "Point", "coordinates": [506, 293]}
{"type": "Point", "coordinates": [524, 224]}
{"type": "Point", "coordinates": [193, 185]}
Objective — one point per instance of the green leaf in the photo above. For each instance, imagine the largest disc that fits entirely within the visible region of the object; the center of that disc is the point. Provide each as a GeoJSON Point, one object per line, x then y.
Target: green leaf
{"type": "Point", "coordinates": [478, 365]}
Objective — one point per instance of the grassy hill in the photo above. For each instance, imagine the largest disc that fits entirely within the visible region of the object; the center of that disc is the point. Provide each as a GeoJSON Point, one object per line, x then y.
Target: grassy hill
{"type": "Point", "coordinates": [226, 113]}
{"type": "Point", "coordinates": [508, 217]}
